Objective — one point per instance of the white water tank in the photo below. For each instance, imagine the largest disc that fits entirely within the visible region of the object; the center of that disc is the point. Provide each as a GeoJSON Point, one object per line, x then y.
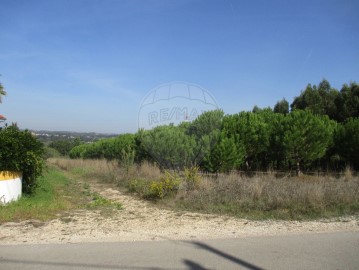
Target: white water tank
{"type": "Point", "coordinates": [10, 186]}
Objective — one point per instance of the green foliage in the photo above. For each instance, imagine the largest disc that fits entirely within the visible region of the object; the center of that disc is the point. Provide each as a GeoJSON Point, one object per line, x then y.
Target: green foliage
{"type": "Point", "coordinates": [106, 148]}
{"type": "Point", "coordinates": [347, 142]}
{"type": "Point", "coordinates": [169, 146]}
{"type": "Point", "coordinates": [249, 131]}
{"type": "Point", "coordinates": [205, 123]}
{"type": "Point", "coordinates": [168, 185]}
{"type": "Point", "coordinates": [224, 156]}
{"type": "Point", "coordinates": [192, 177]}
{"type": "Point", "coordinates": [256, 109]}
{"type": "Point", "coordinates": [281, 107]}
{"type": "Point", "coordinates": [21, 151]}
{"type": "Point", "coordinates": [319, 100]}
{"type": "Point", "coordinates": [64, 146]}
{"type": "Point", "coordinates": [100, 201]}
{"type": "Point", "coordinates": [51, 152]}
{"type": "Point", "coordinates": [263, 139]}
{"type": "Point", "coordinates": [324, 100]}
{"type": "Point", "coordinates": [128, 158]}
{"type": "Point", "coordinates": [307, 137]}
{"type": "Point", "coordinates": [276, 150]}
{"type": "Point", "coordinates": [156, 189]}
{"type": "Point", "coordinates": [347, 102]}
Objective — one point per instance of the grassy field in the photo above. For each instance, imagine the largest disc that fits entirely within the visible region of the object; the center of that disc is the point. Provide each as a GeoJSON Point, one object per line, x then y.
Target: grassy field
{"type": "Point", "coordinates": [55, 194]}
{"type": "Point", "coordinates": [255, 197]}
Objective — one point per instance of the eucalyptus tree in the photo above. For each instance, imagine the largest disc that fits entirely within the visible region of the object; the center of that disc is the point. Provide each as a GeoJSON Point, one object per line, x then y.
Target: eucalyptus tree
{"type": "Point", "coordinates": [317, 99]}
{"type": "Point", "coordinates": [281, 106]}
{"type": "Point", "coordinates": [347, 102]}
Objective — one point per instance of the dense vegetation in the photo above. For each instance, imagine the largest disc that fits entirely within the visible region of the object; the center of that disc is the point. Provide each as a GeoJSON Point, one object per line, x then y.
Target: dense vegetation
{"type": "Point", "coordinates": [64, 146]}
{"type": "Point", "coordinates": [20, 151]}
{"type": "Point", "coordinates": [113, 148]}
{"type": "Point", "coordinates": [320, 132]}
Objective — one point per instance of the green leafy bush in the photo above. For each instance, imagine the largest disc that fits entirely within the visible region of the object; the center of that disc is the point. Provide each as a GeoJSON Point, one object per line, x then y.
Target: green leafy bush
{"type": "Point", "coordinates": [109, 149]}
{"type": "Point", "coordinates": [156, 189]}
{"type": "Point", "coordinates": [99, 201]}
{"type": "Point", "coordinates": [51, 153]}
{"type": "Point", "coordinates": [192, 177]}
{"type": "Point", "coordinates": [20, 151]}
{"type": "Point", "coordinates": [64, 146]}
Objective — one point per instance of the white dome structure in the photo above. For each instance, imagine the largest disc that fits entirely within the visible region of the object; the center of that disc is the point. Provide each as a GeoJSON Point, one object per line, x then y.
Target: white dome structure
{"type": "Point", "coordinates": [174, 103]}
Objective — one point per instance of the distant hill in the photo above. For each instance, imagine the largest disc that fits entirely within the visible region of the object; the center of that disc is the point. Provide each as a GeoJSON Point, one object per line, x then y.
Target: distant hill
{"type": "Point", "coordinates": [50, 136]}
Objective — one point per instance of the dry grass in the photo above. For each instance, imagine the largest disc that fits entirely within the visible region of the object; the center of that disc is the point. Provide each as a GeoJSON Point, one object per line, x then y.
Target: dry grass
{"type": "Point", "coordinates": [267, 196]}
{"type": "Point", "coordinates": [107, 171]}
{"type": "Point", "coordinates": [259, 196]}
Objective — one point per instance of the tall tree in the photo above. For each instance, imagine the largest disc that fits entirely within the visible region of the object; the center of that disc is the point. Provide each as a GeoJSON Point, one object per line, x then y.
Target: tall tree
{"type": "Point", "coordinates": [347, 142]}
{"type": "Point", "coordinates": [224, 155]}
{"type": "Point", "coordinates": [307, 137]}
{"type": "Point", "coordinates": [169, 146]}
{"type": "Point", "coordinates": [281, 106]}
{"type": "Point", "coordinates": [276, 149]}
{"type": "Point", "coordinates": [319, 100]}
{"type": "Point", "coordinates": [205, 129]}
{"type": "Point", "coordinates": [205, 123]}
{"type": "Point", "coordinates": [251, 131]}
{"type": "Point", "coordinates": [347, 102]}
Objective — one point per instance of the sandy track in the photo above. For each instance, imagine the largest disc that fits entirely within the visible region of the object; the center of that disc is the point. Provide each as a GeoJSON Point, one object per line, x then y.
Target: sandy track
{"type": "Point", "coordinates": [141, 221]}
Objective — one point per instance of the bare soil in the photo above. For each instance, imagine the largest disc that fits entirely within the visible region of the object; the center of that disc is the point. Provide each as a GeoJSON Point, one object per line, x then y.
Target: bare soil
{"type": "Point", "coordinates": [142, 221]}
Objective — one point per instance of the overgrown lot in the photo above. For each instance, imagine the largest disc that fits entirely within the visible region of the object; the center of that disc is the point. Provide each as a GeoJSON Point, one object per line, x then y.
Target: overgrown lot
{"type": "Point", "coordinates": [55, 194]}
{"type": "Point", "coordinates": [255, 197]}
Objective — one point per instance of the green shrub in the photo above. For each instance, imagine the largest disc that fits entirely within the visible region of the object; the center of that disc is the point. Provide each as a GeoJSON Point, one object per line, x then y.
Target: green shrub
{"type": "Point", "coordinates": [156, 189]}
{"type": "Point", "coordinates": [99, 201]}
{"type": "Point", "coordinates": [51, 153]}
{"type": "Point", "coordinates": [167, 185]}
{"type": "Point", "coordinates": [21, 151]}
{"type": "Point", "coordinates": [138, 186]}
{"type": "Point", "coordinates": [192, 177]}
{"type": "Point", "coordinates": [109, 149]}
{"type": "Point", "coordinates": [64, 146]}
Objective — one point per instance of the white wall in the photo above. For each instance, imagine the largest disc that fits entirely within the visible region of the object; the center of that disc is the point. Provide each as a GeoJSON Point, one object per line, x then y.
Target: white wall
{"type": "Point", "coordinates": [10, 186]}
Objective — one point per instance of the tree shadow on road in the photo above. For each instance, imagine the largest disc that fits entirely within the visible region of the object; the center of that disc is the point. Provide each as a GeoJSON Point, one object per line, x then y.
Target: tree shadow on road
{"type": "Point", "coordinates": [243, 263]}
{"type": "Point", "coordinates": [70, 265]}
{"type": "Point", "coordinates": [193, 266]}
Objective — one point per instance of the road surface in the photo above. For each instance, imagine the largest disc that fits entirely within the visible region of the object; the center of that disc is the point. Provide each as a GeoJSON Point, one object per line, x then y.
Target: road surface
{"type": "Point", "coordinates": [308, 251]}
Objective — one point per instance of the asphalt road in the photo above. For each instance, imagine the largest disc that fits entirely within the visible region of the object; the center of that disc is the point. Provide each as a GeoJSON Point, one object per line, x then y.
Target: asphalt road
{"type": "Point", "coordinates": [310, 251]}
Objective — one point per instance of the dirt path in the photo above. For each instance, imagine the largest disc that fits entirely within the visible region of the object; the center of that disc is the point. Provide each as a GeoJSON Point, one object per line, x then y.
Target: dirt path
{"type": "Point", "coordinates": [139, 220]}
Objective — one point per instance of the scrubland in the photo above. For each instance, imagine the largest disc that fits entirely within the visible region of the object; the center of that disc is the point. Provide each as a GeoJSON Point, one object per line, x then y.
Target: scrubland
{"type": "Point", "coordinates": [259, 196]}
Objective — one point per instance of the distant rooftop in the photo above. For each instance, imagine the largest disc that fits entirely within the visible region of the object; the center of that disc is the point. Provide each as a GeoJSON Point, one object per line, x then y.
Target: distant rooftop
{"type": "Point", "coordinates": [2, 118]}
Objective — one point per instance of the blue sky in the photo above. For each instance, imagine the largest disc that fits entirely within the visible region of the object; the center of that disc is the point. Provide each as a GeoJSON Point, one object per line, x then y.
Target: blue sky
{"type": "Point", "coordinates": [86, 65]}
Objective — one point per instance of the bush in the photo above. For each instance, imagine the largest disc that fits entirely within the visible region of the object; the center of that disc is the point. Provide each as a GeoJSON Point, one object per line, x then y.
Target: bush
{"type": "Point", "coordinates": [192, 177]}
{"type": "Point", "coordinates": [64, 146]}
{"type": "Point", "coordinates": [156, 189]}
{"type": "Point", "coordinates": [20, 151]}
{"type": "Point", "coordinates": [109, 149]}
{"type": "Point", "coordinates": [51, 153]}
